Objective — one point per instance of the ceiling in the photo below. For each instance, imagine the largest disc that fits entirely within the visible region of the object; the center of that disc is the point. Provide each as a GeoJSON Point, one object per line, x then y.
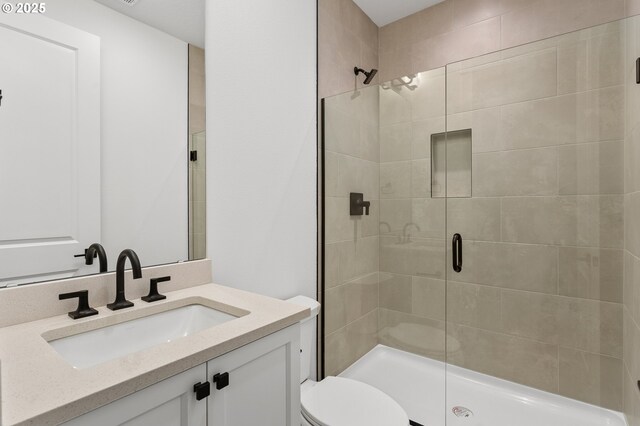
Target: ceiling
{"type": "Point", "coordinates": [384, 12]}
{"type": "Point", "coordinates": [183, 19]}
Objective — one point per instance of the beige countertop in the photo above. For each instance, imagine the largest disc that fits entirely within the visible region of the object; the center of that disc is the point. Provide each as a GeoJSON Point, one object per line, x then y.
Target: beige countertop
{"type": "Point", "coordinates": [38, 387]}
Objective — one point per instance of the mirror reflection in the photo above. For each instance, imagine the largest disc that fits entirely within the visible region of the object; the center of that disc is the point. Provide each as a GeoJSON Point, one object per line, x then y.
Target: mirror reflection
{"type": "Point", "coordinates": [102, 137]}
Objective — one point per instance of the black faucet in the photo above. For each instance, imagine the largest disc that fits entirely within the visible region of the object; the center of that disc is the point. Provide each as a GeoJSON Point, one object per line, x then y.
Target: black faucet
{"type": "Point", "coordinates": [94, 249]}
{"type": "Point", "coordinates": [121, 302]}
{"type": "Point", "coordinates": [91, 252]}
{"type": "Point", "coordinates": [406, 237]}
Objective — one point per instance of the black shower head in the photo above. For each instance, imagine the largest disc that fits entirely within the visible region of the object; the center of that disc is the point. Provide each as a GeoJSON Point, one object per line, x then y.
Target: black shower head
{"type": "Point", "coordinates": [369, 75]}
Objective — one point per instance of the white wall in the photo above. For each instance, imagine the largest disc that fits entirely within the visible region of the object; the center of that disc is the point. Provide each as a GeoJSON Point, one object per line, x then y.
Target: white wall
{"type": "Point", "coordinates": [261, 136]}
{"type": "Point", "coordinates": [144, 132]}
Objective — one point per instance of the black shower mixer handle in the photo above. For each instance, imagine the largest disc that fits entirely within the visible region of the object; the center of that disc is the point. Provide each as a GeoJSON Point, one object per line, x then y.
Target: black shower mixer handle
{"type": "Point", "coordinates": [357, 205]}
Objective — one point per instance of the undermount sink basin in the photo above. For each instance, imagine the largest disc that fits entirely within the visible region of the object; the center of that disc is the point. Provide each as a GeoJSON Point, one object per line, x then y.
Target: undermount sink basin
{"type": "Point", "coordinates": [104, 344]}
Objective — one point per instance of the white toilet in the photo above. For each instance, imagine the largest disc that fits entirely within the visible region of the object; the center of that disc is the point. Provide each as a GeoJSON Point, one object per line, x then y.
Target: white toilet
{"type": "Point", "coordinates": [337, 401]}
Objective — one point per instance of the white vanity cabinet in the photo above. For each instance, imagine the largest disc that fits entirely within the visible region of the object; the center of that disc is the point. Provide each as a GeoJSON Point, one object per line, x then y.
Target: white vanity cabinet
{"type": "Point", "coordinates": [260, 385]}
{"type": "Point", "coordinates": [169, 402]}
{"type": "Point", "coordinates": [263, 383]}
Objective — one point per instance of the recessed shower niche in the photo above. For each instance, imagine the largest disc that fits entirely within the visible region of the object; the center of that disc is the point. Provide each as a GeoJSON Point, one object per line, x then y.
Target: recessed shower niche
{"type": "Point", "coordinates": [451, 164]}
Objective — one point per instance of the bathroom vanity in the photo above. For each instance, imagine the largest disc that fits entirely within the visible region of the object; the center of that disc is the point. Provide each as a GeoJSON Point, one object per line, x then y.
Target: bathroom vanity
{"type": "Point", "coordinates": [206, 355]}
{"type": "Point", "coordinates": [250, 385]}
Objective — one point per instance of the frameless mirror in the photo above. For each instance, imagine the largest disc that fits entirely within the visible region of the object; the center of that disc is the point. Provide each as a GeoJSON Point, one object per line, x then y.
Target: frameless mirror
{"type": "Point", "coordinates": [102, 136]}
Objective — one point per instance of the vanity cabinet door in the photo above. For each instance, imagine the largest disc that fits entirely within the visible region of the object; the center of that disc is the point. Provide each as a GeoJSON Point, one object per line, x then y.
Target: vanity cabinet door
{"type": "Point", "coordinates": [259, 383]}
{"type": "Point", "coordinates": [169, 402]}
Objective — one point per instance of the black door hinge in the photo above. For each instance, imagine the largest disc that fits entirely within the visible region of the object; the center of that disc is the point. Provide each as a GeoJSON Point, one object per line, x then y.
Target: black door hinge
{"type": "Point", "coordinates": [202, 390]}
{"type": "Point", "coordinates": [193, 155]}
{"type": "Point", "coordinates": [221, 380]}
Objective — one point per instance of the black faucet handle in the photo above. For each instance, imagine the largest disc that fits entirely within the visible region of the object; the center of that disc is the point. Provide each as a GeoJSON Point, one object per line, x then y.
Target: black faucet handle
{"type": "Point", "coordinates": [366, 205]}
{"type": "Point", "coordinates": [95, 254]}
{"type": "Point", "coordinates": [83, 310]}
{"type": "Point", "coordinates": [153, 295]}
{"type": "Point", "coordinates": [357, 205]}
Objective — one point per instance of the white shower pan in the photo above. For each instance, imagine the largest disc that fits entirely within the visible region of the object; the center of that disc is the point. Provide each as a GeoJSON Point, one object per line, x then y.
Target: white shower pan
{"type": "Point", "coordinates": [473, 399]}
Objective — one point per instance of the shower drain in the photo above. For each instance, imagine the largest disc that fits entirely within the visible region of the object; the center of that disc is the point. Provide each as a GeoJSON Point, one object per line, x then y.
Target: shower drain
{"type": "Point", "coordinates": [462, 411]}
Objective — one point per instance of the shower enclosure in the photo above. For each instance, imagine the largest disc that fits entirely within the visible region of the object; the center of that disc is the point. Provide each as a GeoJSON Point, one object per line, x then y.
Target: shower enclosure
{"type": "Point", "coordinates": [493, 258]}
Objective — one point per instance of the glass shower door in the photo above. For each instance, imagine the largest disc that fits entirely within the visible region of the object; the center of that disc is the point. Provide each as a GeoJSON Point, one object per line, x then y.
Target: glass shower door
{"type": "Point", "coordinates": [413, 241]}
{"type": "Point", "coordinates": [383, 318]}
{"type": "Point", "coordinates": [534, 216]}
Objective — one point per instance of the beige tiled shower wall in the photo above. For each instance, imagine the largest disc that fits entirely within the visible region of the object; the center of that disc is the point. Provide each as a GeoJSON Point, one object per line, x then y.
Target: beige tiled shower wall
{"type": "Point", "coordinates": [460, 29]}
{"type": "Point", "coordinates": [197, 142]}
{"type": "Point", "coordinates": [346, 38]}
{"type": "Point", "coordinates": [351, 242]}
{"type": "Point", "coordinates": [539, 298]}
{"type": "Point", "coordinates": [631, 290]}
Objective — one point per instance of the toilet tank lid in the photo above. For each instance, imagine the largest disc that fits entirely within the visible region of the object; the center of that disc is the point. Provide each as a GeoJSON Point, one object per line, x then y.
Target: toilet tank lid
{"type": "Point", "coordinates": [307, 302]}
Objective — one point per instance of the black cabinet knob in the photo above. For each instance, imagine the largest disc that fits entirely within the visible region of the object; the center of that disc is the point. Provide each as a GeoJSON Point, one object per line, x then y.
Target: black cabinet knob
{"type": "Point", "coordinates": [202, 390]}
{"type": "Point", "coordinates": [221, 380]}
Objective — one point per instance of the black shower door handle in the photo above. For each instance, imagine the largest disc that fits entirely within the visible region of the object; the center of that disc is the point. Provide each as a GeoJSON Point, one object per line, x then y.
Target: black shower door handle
{"type": "Point", "coordinates": [456, 252]}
